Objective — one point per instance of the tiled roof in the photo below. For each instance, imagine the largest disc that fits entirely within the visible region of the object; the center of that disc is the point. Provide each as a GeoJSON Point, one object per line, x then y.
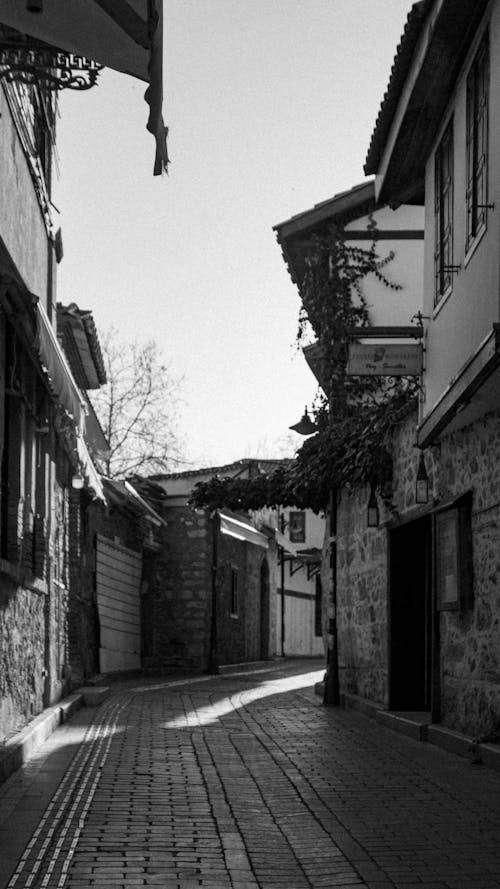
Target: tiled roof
{"type": "Point", "coordinates": [399, 71]}
{"type": "Point", "coordinates": [78, 335]}
{"type": "Point", "coordinates": [341, 207]}
{"type": "Point", "coordinates": [227, 468]}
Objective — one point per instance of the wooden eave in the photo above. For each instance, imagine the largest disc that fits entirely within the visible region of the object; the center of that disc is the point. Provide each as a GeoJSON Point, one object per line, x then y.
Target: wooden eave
{"type": "Point", "coordinates": [78, 335]}
{"type": "Point", "coordinates": [405, 133]}
{"type": "Point", "coordinates": [295, 234]}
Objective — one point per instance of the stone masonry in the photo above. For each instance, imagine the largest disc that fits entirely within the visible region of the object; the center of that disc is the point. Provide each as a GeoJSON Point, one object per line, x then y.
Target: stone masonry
{"type": "Point", "coordinates": [469, 650]}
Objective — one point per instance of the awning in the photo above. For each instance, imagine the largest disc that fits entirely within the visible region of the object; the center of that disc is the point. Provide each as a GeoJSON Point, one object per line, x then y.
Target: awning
{"type": "Point", "coordinates": [126, 35]}
{"type": "Point", "coordinates": [91, 476]}
{"type": "Point", "coordinates": [62, 381]}
{"type": "Point", "coordinates": [241, 530]}
{"type": "Point", "coordinates": [285, 543]}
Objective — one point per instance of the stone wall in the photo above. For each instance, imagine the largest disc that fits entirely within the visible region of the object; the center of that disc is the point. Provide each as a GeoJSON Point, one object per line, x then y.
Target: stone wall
{"type": "Point", "coordinates": [244, 635]}
{"type": "Point", "coordinates": [177, 593]}
{"type": "Point", "coordinates": [361, 600]}
{"type": "Point", "coordinates": [22, 654]}
{"type": "Point", "coordinates": [467, 460]}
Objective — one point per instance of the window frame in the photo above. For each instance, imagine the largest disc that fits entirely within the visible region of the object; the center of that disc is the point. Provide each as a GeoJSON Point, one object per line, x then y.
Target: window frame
{"type": "Point", "coordinates": [444, 176]}
{"type": "Point", "coordinates": [297, 526]}
{"type": "Point", "coordinates": [477, 145]}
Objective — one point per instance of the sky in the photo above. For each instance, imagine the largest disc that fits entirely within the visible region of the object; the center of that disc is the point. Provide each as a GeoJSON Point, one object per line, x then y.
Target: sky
{"type": "Point", "coordinates": [270, 106]}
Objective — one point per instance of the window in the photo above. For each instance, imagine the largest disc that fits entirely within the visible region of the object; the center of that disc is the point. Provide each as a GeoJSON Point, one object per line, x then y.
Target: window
{"type": "Point", "coordinates": [453, 541]}
{"type": "Point", "coordinates": [477, 144]}
{"type": "Point", "coordinates": [443, 215]}
{"type": "Point", "coordinates": [23, 456]}
{"type": "Point", "coordinates": [234, 591]}
{"type": "Point", "coordinates": [297, 527]}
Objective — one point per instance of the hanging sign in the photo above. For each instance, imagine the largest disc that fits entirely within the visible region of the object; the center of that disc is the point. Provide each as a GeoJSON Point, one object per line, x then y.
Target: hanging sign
{"type": "Point", "coordinates": [384, 360]}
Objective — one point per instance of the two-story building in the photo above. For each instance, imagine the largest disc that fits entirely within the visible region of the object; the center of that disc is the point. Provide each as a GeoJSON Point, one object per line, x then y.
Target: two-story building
{"type": "Point", "coordinates": [435, 145]}
{"type": "Point", "coordinates": [47, 430]}
{"type": "Point", "coordinates": [358, 563]}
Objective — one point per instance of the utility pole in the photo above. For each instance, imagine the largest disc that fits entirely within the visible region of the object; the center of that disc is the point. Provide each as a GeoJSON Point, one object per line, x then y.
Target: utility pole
{"type": "Point", "coordinates": [282, 568]}
{"type": "Point", "coordinates": [213, 666]}
{"type": "Point", "coordinates": [331, 694]}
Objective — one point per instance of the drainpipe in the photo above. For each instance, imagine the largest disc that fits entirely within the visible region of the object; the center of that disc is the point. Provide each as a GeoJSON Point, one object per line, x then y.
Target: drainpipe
{"type": "Point", "coordinates": [212, 656]}
{"type": "Point", "coordinates": [331, 694]}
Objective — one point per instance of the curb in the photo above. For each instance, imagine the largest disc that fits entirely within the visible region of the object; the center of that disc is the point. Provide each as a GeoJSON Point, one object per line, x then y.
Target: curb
{"type": "Point", "coordinates": [477, 752]}
{"type": "Point", "coordinates": [19, 748]}
{"type": "Point", "coordinates": [248, 666]}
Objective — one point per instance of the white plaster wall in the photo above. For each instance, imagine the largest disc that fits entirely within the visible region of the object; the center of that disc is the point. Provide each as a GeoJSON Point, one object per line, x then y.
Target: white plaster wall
{"type": "Point", "coordinates": [386, 306]}
{"type": "Point", "coordinates": [22, 227]}
{"type": "Point", "coordinates": [460, 323]}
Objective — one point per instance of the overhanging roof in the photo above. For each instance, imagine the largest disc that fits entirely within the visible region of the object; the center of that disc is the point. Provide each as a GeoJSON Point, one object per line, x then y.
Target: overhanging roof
{"type": "Point", "coordinates": [126, 35]}
{"type": "Point", "coordinates": [472, 393]}
{"type": "Point", "coordinates": [315, 357]}
{"type": "Point", "coordinates": [62, 381]}
{"type": "Point", "coordinates": [433, 48]}
{"type": "Point", "coordinates": [78, 336]}
{"type": "Point", "coordinates": [294, 235]}
{"type": "Point", "coordinates": [237, 527]}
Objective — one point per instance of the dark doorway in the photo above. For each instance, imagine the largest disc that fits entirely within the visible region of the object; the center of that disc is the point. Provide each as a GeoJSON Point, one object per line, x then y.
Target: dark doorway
{"type": "Point", "coordinates": [410, 616]}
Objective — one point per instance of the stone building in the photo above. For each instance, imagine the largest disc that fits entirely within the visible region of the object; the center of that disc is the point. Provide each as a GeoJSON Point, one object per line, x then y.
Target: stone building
{"type": "Point", "coordinates": [417, 616]}
{"type": "Point", "coordinates": [354, 570]}
{"type": "Point", "coordinates": [208, 599]}
{"type": "Point", "coordinates": [434, 145]}
{"type": "Point", "coordinates": [46, 427]}
{"type": "Point", "coordinates": [229, 587]}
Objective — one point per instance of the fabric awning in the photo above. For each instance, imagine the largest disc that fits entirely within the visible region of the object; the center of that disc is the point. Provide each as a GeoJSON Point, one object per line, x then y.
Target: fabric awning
{"type": "Point", "coordinates": [126, 35]}
{"type": "Point", "coordinates": [241, 530]}
{"type": "Point", "coordinates": [62, 381]}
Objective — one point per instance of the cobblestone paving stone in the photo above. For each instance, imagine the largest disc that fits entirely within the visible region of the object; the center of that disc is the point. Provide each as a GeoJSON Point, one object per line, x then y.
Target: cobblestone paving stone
{"type": "Point", "coordinates": [244, 781]}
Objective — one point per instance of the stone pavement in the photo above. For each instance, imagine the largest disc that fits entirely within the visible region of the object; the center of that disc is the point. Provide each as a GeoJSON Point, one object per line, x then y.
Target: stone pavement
{"type": "Point", "coordinates": [244, 781]}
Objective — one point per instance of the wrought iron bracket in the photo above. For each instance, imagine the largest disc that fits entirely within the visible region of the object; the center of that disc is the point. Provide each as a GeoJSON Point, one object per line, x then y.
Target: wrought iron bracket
{"type": "Point", "coordinates": [26, 60]}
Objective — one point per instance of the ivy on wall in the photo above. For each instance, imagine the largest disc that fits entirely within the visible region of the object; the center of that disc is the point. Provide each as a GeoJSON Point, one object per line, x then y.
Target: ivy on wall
{"type": "Point", "coordinates": [357, 417]}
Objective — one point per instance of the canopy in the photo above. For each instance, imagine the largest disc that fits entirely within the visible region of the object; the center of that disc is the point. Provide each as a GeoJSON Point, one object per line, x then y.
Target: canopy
{"type": "Point", "coordinates": [62, 381]}
{"type": "Point", "coordinates": [64, 387]}
{"type": "Point", "coordinates": [241, 530]}
{"type": "Point", "coordinates": [126, 35]}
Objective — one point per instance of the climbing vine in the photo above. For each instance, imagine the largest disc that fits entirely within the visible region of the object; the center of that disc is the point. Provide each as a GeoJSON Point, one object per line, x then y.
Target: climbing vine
{"type": "Point", "coordinates": [357, 417]}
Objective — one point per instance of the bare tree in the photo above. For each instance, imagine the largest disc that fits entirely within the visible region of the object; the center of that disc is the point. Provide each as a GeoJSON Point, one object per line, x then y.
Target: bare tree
{"type": "Point", "coordinates": [138, 408]}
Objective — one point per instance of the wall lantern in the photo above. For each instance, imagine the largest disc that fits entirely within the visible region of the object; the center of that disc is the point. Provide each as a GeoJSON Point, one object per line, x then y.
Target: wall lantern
{"type": "Point", "coordinates": [422, 483]}
{"type": "Point", "coordinates": [305, 426]}
{"type": "Point", "coordinates": [373, 515]}
{"type": "Point", "coordinates": [78, 481]}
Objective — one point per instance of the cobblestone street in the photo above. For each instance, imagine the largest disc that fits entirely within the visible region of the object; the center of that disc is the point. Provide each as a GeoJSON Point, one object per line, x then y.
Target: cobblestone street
{"type": "Point", "coordinates": [244, 781]}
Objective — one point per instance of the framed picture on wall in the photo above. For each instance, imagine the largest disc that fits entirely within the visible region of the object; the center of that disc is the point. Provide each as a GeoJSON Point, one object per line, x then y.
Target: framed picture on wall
{"type": "Point", "coordinates": [453, 541]}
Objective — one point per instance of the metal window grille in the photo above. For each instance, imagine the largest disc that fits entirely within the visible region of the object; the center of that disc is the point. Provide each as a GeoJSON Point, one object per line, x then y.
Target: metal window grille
{"type": "Point", "coordinates": [477, 143]}
{"type": "Point", "coordinates": [443, 215]}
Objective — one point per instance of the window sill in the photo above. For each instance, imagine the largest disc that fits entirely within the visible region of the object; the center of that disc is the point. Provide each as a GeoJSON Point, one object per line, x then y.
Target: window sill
{"type": "Point", "coordinates": [442, 302]}
{"type": "Point", "coordinates": [474, 245]}
{"type": "Point", "coordinates": [27, 581]}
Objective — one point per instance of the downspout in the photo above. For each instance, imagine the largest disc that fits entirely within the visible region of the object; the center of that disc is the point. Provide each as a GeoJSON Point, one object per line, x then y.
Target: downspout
{"type": "Point", "coordinates": [212, 656]}
{"type": "Point", "coordinates": [331, 693]}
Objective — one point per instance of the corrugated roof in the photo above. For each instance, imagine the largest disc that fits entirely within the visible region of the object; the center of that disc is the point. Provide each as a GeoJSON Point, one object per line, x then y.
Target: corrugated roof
{"type": "Point", "coordinates": [399, 72]}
